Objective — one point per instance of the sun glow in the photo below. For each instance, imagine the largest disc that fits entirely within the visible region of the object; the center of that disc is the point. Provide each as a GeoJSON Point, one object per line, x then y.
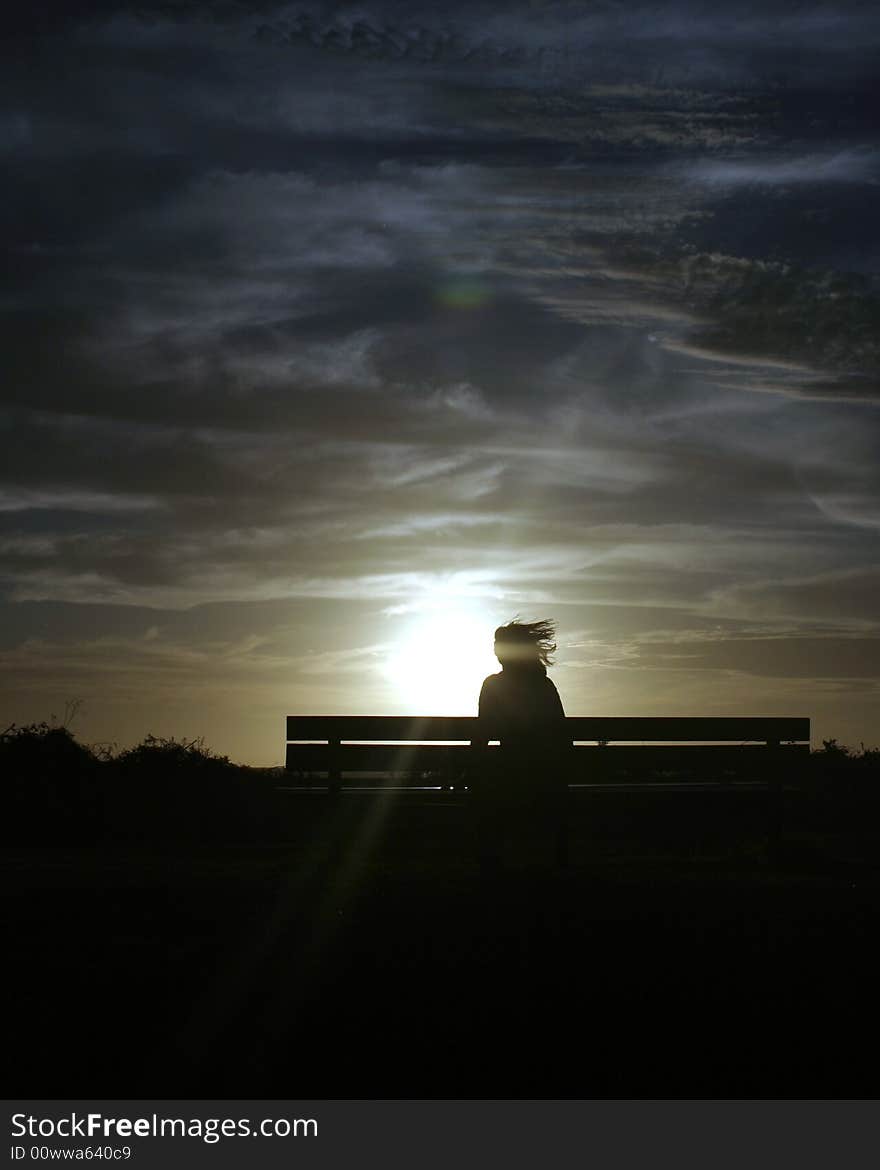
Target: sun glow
{"type": "Point", "coordinates": [440, 660]}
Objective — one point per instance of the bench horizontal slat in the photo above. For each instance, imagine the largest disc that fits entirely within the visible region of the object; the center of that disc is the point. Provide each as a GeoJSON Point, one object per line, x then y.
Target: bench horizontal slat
{"type": "Point", "coordinates": [698, 729]}
{"type": "Point", "coordinates": [586, 762]}
{"type": "Point", "coordinates": [380, 727]}
{"type": "Point", "coordinates": [587, 728]}
{"type": "Point", "coordinates": [686, 757]}
{"type": "Point", "coordinates": [312, 757]}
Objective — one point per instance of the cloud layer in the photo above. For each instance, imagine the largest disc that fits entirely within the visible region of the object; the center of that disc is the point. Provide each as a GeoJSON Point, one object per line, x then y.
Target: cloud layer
{"type": "Point", "coordinates": [344, 310]}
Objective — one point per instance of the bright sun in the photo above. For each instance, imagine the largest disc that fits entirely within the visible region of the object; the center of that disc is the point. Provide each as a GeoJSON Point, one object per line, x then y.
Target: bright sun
{"type": "Point", "coordinates": [440, 660]}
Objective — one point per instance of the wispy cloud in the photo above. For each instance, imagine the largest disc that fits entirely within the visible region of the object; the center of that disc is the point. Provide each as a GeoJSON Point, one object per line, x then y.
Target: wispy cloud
{"type": "Point", "coordinates": [844, 166]}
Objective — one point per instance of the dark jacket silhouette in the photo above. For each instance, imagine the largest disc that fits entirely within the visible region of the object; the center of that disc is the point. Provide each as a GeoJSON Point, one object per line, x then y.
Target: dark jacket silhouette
{"type": "Point", "coordinates": [521, 708]}
{"type": "Point", "coordinates": [520, 703]}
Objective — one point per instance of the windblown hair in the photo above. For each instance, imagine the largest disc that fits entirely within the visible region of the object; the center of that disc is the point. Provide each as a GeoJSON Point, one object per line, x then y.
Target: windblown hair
{"type": "Point", "coordinates": [539, 637]}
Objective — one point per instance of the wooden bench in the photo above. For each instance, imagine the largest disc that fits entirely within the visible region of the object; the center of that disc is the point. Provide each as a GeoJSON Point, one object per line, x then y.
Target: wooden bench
{"type": "Point", "coordinates": [606, 753]}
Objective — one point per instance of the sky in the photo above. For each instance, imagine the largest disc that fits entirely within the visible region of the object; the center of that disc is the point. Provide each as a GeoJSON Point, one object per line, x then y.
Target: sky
{"type": "Point", "coordinates": [335, 335]}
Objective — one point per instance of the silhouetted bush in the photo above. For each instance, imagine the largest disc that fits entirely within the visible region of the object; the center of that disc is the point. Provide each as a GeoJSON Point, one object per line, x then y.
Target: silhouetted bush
{"type": "Point", "coordinates": [834, 762]}
{"type": "Point", "coordinates": [51, 784]}
{"type": "Point", "coordinates": [161, 755]}
{"type": "Point", "coordinates": [58, 791]}
{"type": "Point", "coordinates": [842, 787]}
{"type": "Point", "coordinates": [181, 789]}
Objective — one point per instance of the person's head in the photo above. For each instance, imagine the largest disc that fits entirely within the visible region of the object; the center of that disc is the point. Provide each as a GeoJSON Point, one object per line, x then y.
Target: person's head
{"type": "Point", "coordinates": [522, 643]}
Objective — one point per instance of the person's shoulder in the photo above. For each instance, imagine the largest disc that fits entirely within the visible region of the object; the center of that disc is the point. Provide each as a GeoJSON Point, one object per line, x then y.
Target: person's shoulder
{"type": "Point", "coordinates": [490, 691]}
{"type": "Point", "coordinates": [553, 698]}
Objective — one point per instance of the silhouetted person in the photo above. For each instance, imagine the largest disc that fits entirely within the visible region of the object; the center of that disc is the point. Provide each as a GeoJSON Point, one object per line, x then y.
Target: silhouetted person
{"type": "Point", "coordinates": [520, 700]}
{"type": "Point", "coordinates": [520, 788]}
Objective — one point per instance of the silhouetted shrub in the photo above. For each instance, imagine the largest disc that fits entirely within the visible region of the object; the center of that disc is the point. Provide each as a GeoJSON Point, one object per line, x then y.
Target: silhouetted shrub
{"type": "Point", "coordinates": [58, 791]}
{"type": "Point", "coordinates": [52, 787]}
{"type": "Point", "coordinates": [166, 787]}
{"type": "Point", "coordinates": [164, 755]}
{"type": "Point", "coordinates": [843, 786]}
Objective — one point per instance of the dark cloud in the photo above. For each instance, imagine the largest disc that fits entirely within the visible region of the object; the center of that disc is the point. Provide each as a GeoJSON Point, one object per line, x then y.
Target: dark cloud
{"type": "Point", "coordinates": [848, 597]}
{"type": "Point", "coordinates": [780, 657]}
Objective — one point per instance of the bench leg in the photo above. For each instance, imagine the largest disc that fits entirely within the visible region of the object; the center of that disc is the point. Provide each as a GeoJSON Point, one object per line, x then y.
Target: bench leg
{"type": "Point", "coordinates": [775, 819]}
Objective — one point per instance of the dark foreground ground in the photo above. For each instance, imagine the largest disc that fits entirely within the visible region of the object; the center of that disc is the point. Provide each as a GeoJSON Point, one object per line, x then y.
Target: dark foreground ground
{"type": "Point", "coordinates": [366, 955]}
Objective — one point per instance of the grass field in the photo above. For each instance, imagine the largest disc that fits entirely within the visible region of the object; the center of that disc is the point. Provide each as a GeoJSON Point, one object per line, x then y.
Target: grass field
{"type": "Point", "coordinates": [363, 953]}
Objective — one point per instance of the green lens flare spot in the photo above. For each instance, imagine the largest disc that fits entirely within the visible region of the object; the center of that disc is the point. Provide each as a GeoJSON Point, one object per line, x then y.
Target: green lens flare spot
{"type": "Point", "coordinates": [463, 293]}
